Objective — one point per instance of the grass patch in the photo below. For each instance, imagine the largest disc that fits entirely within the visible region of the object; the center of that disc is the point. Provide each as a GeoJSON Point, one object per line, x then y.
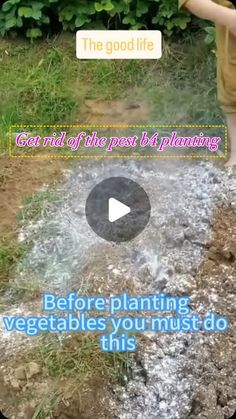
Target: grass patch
{"type": "Point", "coordinates": [46, 407]}
{"type": "Point", "coordinates": [37, 88]}
{"type": "Point", "coordinates": [10, 254]}
{"type": "Point", "coordinates": [181, 88]}
{"type": "Point", "coordinates": [80, 358]}
{"type": "Point", "coordinates": [35, 205]}
{"type": "Point", "coordinates": [75, 366]}
{"type": "Point", "coordinates": [46, 84]}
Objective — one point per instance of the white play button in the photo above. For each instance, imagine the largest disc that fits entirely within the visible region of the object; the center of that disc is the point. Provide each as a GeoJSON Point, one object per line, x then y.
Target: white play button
{"type": "Point", "coordinates": [116, 210]}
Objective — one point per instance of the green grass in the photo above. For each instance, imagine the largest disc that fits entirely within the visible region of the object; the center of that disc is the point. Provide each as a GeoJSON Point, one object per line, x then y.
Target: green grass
{"type": "Point", "coordinates": [10, 254]}
{"type": "Point", "coordinates": [183, 89]}
{"type": "Point", "coordinates": [36, 88]}
{"type": "Point", "coordinates": [34, 205]}
{"type": "Point", "coordinates": [46, 406]}
{"type": "Point", "coordinates": [45, 84]}
{"type": "Point", "coordinates": [80, 358]}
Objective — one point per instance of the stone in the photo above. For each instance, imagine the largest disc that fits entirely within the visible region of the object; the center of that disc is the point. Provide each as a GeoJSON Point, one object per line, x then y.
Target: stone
{"type": "Point", "coordinates": [161, 283]}
{"type": "Point", "coordinates": [174, 237]}
{"type": "Point", "coordinates": [32, 369]}
{"type": "Point", "coordinates": [20, 373]}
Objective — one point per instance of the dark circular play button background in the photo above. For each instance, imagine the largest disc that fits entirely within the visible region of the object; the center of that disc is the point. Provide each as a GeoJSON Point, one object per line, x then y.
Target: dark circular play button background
{"type": "Point", "coordinates": [129, 193]}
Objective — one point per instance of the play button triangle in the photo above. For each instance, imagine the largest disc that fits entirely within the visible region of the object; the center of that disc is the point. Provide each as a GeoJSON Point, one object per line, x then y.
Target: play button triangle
{"type": "Point", "coordinates": [116, 210]}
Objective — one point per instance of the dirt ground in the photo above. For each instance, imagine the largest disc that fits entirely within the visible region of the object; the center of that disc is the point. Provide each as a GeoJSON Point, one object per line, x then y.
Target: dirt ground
{"type": "Point", "coordinates": [114, 112]}
{"type": "Point", "coordinates": [19, 178]}
{"type": "Point", "coordinates": [217, 276]}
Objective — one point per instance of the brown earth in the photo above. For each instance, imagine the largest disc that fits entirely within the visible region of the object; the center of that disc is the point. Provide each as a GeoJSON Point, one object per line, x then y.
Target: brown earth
{"type": "Point", "coordinates": [217, 277]}
{"type": "Point", "coordinates": [58, 398]}
{"type": "Point", "coordinates": [119, 112]}
{"type": "Point", "coordinates": [18, 178]}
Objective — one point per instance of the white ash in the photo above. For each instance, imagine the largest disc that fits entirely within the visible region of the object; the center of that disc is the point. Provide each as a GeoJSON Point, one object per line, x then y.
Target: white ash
{"type": "Point", "coordinates": [165, 257]}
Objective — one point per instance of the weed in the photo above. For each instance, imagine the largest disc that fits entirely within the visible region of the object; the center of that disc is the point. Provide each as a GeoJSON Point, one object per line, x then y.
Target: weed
{"type": "Point", "coordinates": [34, 205]}
{"type": "Point", "coordinates": [10, 254]}
{"type": "Point", "coordinates": [80, 357]}
{"type": "Point", "coordinates": [45, 408]}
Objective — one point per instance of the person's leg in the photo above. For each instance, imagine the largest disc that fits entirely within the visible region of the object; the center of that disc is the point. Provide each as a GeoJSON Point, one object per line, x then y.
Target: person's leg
{"type": "Point", "coordinates": [231, 122]}
{"type": "Point", "coordinates": [226, 84]}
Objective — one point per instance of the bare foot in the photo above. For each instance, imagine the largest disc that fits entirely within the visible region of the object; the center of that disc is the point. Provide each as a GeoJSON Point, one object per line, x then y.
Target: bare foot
{"type": "Point", "coordinates": [231, 162]}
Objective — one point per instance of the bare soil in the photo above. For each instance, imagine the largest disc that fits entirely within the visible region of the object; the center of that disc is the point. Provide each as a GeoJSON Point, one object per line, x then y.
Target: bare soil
{"type": "Point", "coordinates": [19, 399]}
{"type": "Point", "coordinates": [18, 178]}
{"type": "Point", "coordinates": [114, 112]}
